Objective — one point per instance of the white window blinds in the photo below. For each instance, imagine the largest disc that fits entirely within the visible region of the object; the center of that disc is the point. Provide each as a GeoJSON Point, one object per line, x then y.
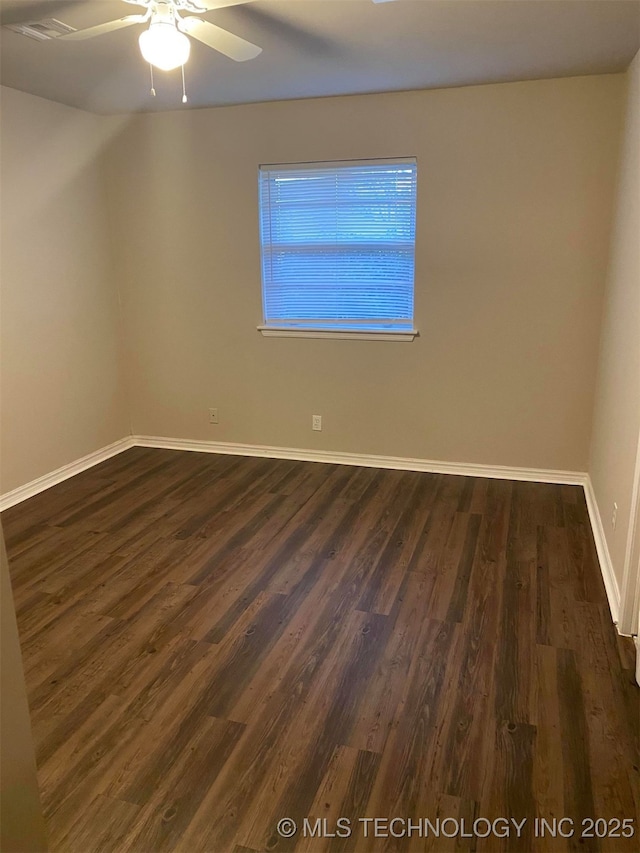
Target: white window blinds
{"type": "Point", "coordinates": [338, 244]}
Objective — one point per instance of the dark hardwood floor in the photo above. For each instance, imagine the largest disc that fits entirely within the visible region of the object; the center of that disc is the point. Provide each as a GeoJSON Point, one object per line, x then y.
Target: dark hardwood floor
{"type": "Point", "coordinates": [214, 643]}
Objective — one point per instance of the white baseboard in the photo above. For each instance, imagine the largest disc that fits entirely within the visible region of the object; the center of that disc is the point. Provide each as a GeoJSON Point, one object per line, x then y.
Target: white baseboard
{"type": "Point", "coordinates": [464, 469]}
{"type": "Point", "coordinates": [400, 463]}
{"type": "Point", "coordinates": [20, 494]}
{"type": "Point", "coordinates": [467, 469]}
{"type": "Point", "coordinates": [606, 566]}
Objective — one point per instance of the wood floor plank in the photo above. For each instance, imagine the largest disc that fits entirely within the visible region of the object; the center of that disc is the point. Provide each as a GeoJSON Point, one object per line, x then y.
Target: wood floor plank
{"type": "Point", "coordinates": [548, 767]}
{"type": "Point", "coordinates": [171, 709]}
{"type": "Point", "coordinates": [327, 805]}
{"type": "Point", "coordinates": [578, 789]}
{"type": "Point", "coordinates": [400, 785]}
{"type": "Point", "coordinates": [510, 792]}
{"type": "Point", "coordinates": [382, 586]}
{"type": "Point", "coordinates": [444, 562]}
{"type": "Point", "coordinates": [332, 709]}
{"type": "Point", "coordinates": [267, 741]}
{"type": "Point", "coordinates": [183, 784]}
{"type": "Point", "coordinates": [376, 715]}
{"type": "Point", "coordinates": [463, 750]}
{"type": "Point", "coordinates": [515, 661]}
{"type": "Point", "coordinates": [102, 826]}
{"type": "Point", "coordinates": [83, 546]}
{"type": "Point", "coordinates": [212, 643]}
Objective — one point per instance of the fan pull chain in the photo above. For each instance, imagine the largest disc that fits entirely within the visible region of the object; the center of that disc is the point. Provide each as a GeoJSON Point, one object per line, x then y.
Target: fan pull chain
{"type": "Point", "coordinates": [184, 91]}
{"type": "Point", "coordinates": [153, 91]}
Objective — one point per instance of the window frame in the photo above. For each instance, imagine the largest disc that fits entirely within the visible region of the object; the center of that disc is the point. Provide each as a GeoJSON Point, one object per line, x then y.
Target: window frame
{"type": "Point", "coordinates": [323, 329]}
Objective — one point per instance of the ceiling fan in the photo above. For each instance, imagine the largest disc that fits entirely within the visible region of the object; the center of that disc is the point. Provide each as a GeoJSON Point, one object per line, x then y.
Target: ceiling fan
{"type": "Point", "coordinates": [164, 44]}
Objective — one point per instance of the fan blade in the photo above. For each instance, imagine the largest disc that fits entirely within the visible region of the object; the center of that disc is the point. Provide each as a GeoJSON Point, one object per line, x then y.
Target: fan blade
{"type": "Point", "coordinates": [212, 5]}
{"type": "Point", "coordinates": [109, 27]}
{"type": "Point", "coordinates": [221, 40]}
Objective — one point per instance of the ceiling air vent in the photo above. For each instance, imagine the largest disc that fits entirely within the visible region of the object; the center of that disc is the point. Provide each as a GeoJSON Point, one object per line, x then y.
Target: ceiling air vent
{"type": "Point", "coordinates": [48, 28]}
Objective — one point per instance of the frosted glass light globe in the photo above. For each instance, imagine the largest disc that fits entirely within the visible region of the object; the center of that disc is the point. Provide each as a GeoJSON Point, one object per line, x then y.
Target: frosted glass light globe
{"type": "Point", "coordinates": [164, 46]}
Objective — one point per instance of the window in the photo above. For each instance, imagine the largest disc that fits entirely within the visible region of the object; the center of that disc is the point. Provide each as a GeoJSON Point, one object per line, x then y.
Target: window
{"type": "Point", "coordinates": [338, 246]}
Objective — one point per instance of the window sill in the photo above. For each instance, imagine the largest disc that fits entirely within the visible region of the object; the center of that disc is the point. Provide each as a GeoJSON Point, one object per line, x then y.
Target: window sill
{"type": "Point", "coordinates": [340, 335]}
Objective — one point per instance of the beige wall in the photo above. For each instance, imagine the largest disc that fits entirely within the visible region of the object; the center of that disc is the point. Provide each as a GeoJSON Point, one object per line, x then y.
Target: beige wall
{"type": "Point", "coordinates": [62, 394]}
{"type": "Point", "coordinates": [514, 201]}
{"type": "Point", "coordinates": [21, 822]}
{"type": "Point", "coordinates": [616, 425]}
{"type": "Point", "coordinates": [515, 196]}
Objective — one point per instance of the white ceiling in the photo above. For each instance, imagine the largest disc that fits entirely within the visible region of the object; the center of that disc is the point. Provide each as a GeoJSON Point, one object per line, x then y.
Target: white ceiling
{"type": "Point", "coordinates": [323, 47]}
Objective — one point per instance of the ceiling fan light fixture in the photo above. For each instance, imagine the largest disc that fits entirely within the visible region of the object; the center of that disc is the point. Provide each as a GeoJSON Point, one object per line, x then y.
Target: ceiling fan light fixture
{"type": "Point", "coordinates": [164, 46]}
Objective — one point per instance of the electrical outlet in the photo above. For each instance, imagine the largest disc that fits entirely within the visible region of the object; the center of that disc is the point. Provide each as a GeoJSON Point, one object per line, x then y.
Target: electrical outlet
{"type": "Point", "coordinates": [316, 422]}
{"type": "Point", "coordinates": [614, 516]}
{"type": "Point", "coordinates": [213, 416]}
